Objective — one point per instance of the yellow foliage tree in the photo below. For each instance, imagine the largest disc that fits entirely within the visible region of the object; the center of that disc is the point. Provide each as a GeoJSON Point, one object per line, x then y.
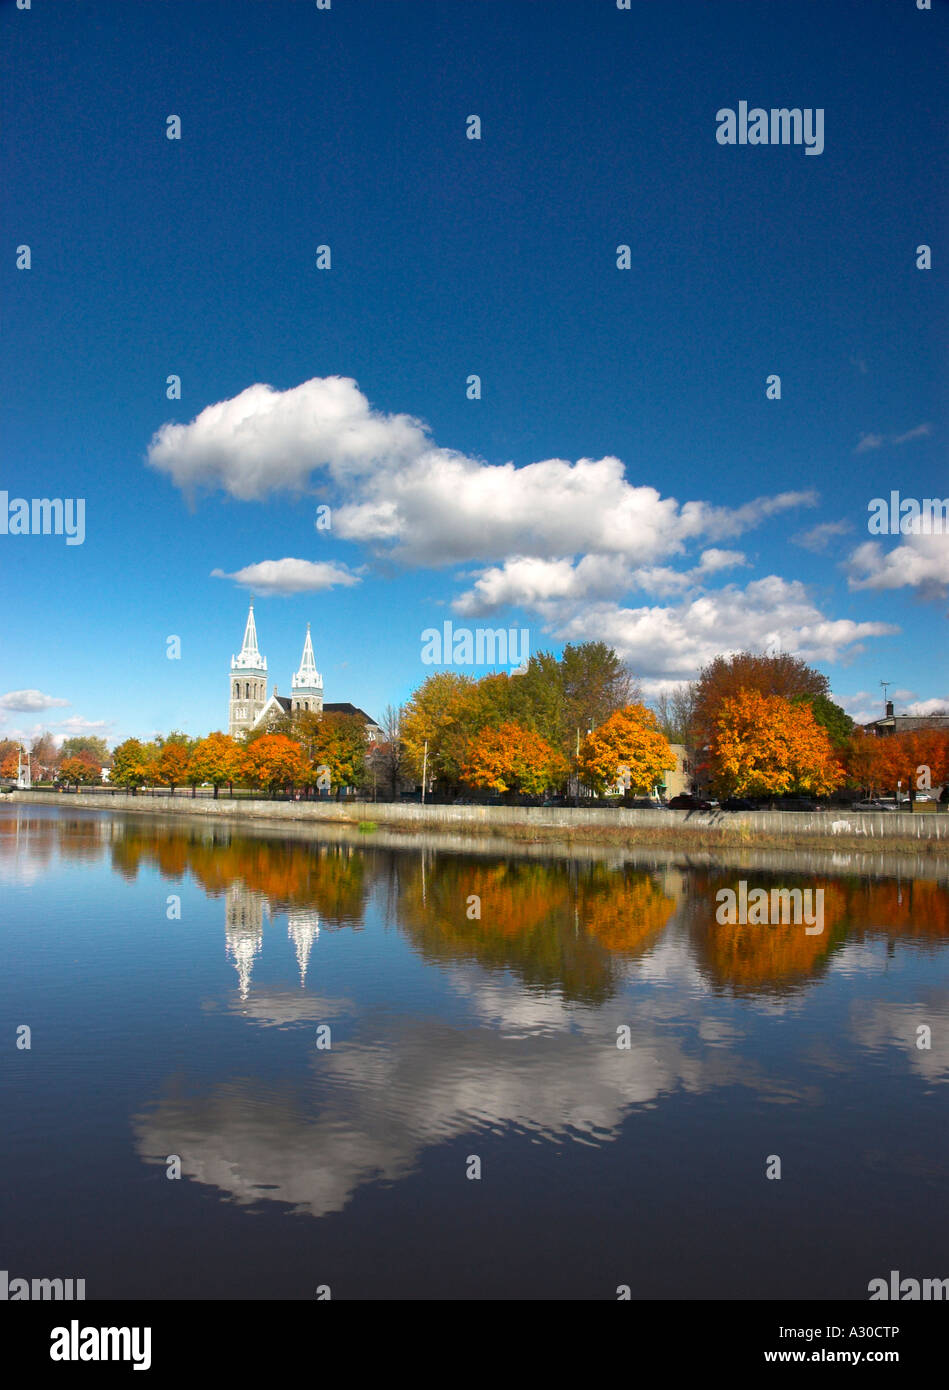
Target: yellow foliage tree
{"type": "Point", "coordinates": [628, 741]}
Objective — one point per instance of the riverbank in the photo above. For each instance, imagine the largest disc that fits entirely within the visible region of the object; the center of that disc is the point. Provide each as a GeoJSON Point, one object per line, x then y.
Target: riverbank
{"type": "Point", "coordinates": [894, 832]}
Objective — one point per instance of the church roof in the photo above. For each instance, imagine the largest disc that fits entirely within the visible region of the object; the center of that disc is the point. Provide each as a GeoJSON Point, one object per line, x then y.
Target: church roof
{"type": "Point", "coordinates": [346, 708]}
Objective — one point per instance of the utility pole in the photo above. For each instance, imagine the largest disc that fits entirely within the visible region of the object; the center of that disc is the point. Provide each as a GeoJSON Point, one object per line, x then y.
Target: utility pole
{"type": "Point", "coordinates": [424, 770]}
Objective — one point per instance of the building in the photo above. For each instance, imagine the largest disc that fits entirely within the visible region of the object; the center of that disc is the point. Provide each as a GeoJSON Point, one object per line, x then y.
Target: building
{"type": "Point", "coordinates": [678, 780]}
{"type": "Point", "coordinates": [906, 723]}
{"type": "Point", "coordinates": [249, 706]}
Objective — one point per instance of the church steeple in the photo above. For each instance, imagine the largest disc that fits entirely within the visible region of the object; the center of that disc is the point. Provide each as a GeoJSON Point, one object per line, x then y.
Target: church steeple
{"type": "Point", "coordinates": [250, 658]}
{"type": "Point", "coordinates": [248, 681]}
{"type": "Point", "coordinates": [306, 688]}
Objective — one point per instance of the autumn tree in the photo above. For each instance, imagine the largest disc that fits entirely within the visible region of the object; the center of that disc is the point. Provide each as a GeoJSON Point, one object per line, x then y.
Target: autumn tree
{"type": "Point", "coordinates": [595, 685]}
{"type": "Point", "coordinates": [217, 759]}
{"type": "Point", "coordinates": [440, 713]}
{"type": "Point", "coordinates": [9, 759]}
{"type": "Point", "coordinates": [132, 765]}
{"type": "Point", "coordinates": [339, 746]}
{"type": "Point", "coordinates": [80, 770]}
{"type": "Point", "coordinates": [273, 761]}
{"type": "Point", "coordinates": [44, 757]}
{"type": "Point", "coordinates": [777, 674]}
{"type": "Point", "coordinates": [627, 744]}
{"type": "Point", "coordinates": [919, 759]}
{"type": "Point", "coordinates": [172, 765]}
{"type": "Point", "coordinates": [513, 759]}
{"type": "Point", "coordinates": [767, 745]}
{"type": "Point", "coordinates": [864, 758]}
{"type": "Point", "coordinates": [87, 743]}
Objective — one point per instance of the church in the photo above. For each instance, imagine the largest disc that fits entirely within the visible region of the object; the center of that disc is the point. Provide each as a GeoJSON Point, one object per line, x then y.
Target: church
{"type": "Point", "coordinates": [249, 706]}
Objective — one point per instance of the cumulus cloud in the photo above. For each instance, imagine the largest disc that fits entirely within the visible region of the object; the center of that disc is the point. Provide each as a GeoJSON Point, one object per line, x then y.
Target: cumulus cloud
{"type": "Point", "coordinates": [265, 441]}
{"type": "Point", "coordinates": [920, 562]}
{"type": "Point", "coordinates": [920, 708]}
{"type": "Point", "coordinates": [711, 561]}
{"type": "Point", "coordinates": [424, 504]}
{"type": "Point", "coordinates": [673, 641]}
{"type": "Point", "coordinates": [29, 700]}
{"type": "Point", "coordinates": [288, 576]}
{"type": "Point", "coordinates": [572, 542]}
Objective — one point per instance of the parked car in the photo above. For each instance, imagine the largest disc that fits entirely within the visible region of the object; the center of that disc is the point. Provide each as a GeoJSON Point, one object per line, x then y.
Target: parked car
{"type": "Point", "coordinates": [795, 803]}
{"type": "Point", "coordinates": [689, 803]}
{"type": "Point", "coordinates": [739, 803]}
{"type": "Point", "coordinates": [871, 806]}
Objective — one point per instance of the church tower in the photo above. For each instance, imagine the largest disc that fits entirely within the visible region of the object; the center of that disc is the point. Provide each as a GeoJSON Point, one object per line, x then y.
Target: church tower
{"type": "Point", "coordinates": [306, 688]}
{"type": "Point", "coordinates": [248, 682]}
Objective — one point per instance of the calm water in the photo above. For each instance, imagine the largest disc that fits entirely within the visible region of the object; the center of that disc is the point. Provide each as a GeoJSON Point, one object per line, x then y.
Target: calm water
{"type": "Point", "coordinates": [155, 1034]}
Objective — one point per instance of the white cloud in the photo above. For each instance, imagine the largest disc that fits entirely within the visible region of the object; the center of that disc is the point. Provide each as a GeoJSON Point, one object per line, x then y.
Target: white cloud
{"type": "Point", "coordinates": [869, 441]}
{"type": "Point", "coordinates": [289, 576]}
{"type": "Point", "coordinates": [263, 440]}
{"type": "Point", "coordinates": [876, 441]}
{"type": "Point", "coordinates": [428, 505]}
{"type": "Point", "coordinates": [920, 562]}
{"type": "Point", "coordinates": [673, 642]}
{"type": "Point", "coordinates": [924, 707]}
{"type": "Point", "coordinates": [818, 538]}
{"type": "Point", "coordinates": [919, 432]}
{"type": "Point", "coordinates": [712, 561]}
{"type": "Point", "coordinates": [29, 700]}
{"type": "Point", "coordinates": [76, 724]}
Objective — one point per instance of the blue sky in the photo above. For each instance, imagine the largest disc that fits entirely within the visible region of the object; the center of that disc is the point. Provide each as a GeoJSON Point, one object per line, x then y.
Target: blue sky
{"type": "Point", "coordinates": [690, 527]}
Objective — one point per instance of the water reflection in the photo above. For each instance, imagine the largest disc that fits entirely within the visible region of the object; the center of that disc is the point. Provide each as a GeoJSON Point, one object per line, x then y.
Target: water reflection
{"type": "Point", "coordinates": [548, 1000]}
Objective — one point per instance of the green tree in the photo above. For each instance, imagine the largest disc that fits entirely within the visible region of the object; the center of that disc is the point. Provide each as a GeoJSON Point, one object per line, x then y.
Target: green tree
{"type": "Point", "coordinates": [339, 745]}
{"type": "Point", "coordinates": [595, 684]}
{"type": "Point", "coordinates": [132, 764]}
{"type": "Point", "coordinates": [831, 717]}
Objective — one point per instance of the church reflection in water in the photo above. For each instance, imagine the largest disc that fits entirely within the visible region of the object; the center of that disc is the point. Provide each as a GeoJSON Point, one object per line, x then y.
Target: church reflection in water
{"type": "Point", "coordinates": [546, 962]}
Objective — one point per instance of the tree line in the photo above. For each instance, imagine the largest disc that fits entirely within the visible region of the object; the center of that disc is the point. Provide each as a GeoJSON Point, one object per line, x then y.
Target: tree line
{"type": "Point", "coordinates": [751, 724]}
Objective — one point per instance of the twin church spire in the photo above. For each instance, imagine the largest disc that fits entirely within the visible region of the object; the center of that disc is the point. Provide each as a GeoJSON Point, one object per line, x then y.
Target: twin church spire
{"type": "Point", "coordinates": [248, 683]}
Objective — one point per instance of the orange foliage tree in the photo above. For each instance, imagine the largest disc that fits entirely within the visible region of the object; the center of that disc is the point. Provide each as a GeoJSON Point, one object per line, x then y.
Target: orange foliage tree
{"type": "Point", "coordinates": [919, 759]}
{"type": "Point", "coordinates": [274, 761]}
{"type": "Point", "coordinates": [866, 762]}
{"type": "Point", "coordinates": [9, 765]}
{"type": "Point", "coordinates": [512, 759]}
{"type": "Point", "coordinates": [79, 771]}
{"type": "Point", "coordinates": [765, 745]}
{"type": "Point", "coordinates": [217, 759]}
{"type": "Point", "coordinates": [171, 766]}
{"type": "Point", "coordinates": [629, 739]}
